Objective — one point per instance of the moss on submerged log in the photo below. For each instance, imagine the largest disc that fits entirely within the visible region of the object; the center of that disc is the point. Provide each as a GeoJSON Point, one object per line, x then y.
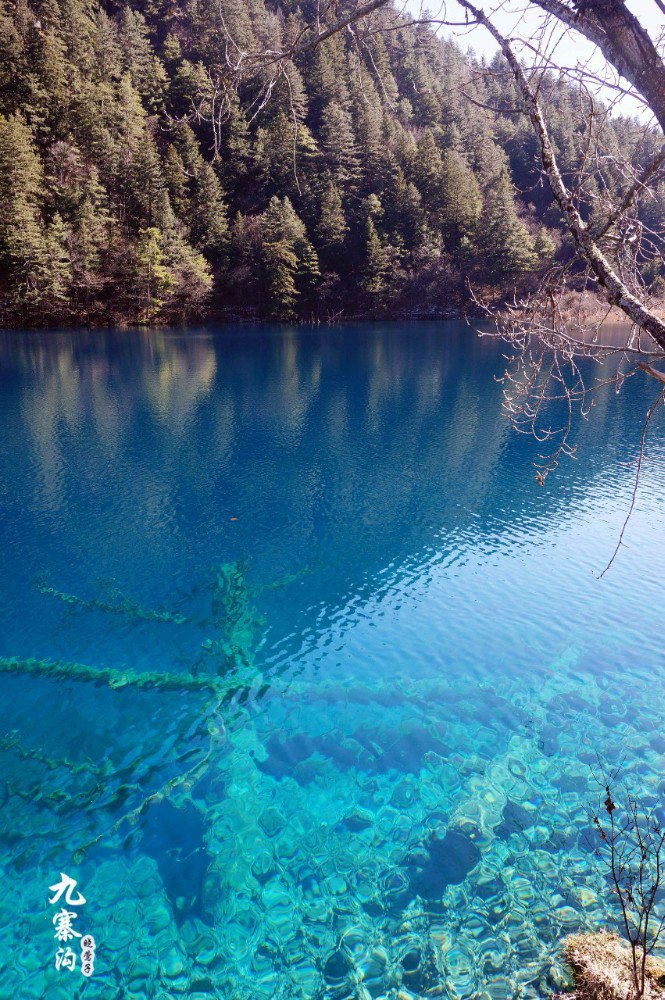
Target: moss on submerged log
{"type": "Point", "coordinates": [130, 609]}
{"type": "Point", "coordinates": [110, 676]}
{"type": "Point", "coordinates": [602, 969]}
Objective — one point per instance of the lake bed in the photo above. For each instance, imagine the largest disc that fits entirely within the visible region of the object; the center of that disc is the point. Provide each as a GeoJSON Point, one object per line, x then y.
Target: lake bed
{"type": "Point", "coordinates": [397, 667]}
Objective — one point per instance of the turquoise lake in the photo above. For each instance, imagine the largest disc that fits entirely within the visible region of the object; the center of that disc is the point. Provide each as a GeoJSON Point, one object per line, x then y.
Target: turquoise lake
{"type": "Point", "coordinates": [304, 679]}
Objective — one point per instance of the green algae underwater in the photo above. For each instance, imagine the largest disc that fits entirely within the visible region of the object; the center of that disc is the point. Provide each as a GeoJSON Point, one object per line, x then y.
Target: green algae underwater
{"type": "Point", "coordinates": [303, 680]}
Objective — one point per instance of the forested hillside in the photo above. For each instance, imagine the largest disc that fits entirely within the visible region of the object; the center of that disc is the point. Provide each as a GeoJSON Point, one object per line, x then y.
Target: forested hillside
{"type": "Point", "coordinates": [138, 184]}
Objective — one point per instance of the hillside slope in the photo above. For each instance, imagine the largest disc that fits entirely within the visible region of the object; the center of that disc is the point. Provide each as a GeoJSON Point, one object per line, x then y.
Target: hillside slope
{"type": "Point", "coordinates": [138, 184]}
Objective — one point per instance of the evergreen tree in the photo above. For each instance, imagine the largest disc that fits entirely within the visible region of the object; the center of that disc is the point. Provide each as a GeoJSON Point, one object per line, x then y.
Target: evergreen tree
{"type": "Point", "coordinates": [49, 100]}
{"type": "Point", "coordinates": [23, 245]}
{"type": "Point", "coordinates": [332, 227]}
{"type": "Point", "coordinates": [152, 280]}
{"type": "Point", "coordinates": [505, 244]}
{"type": "Point", "coordinates": [58, 273]}
{"type": "Point", "coordinates": [290, 261]}
{"type": "Point", "coordinates": [327, 79]}
{"type": "Point", "coordinates": [368, 118]}
{"type": "Point", "coordinates": [428, 175]}
{"type": "Point", "coordinates": [281, 265]}
{"type": "Point", "coordinates": [404, 215]}
{"type": "Point", "coordinates": [362, 182]}
{"type": "Point", "coordinates": [176, 179]}
{"type": "Point", "coordinates": [236, 143]}
{"type": "Point", "coordinates": [135, 47]}
{"type": "Point", "coordinates": [375, 269]}
{"type": "Point", "coordinates": [378, 255]}
{"type": "Point", "coordinates": [14, 70]}
{"type": "Point", "coordinates": [90, 241]}
{"type": "Point", "coordinates": [171, 52]}
{"type": "Point", "coordinates": [190, 279]}
{"type": "Point", "coordinates": [141, 184]}
{"type": "Point", "coordinates": [461, 201]}
{"type": "Point", "coordinates": [208, 226]}
{"type": "Point", "coordinates": [544, 246]}
{"type": "Point", "coordinates": [283, 152]}
{"type": "Point", "coordinates": [426, 105]}
{"type": "Point", "coordinates": [240, 243]}
{"type": "Point", "coordinates": [309, 270]}
{"type": "Point", "coordinates": [338, 141]}
{"type": "Point", "coordinates": [107, 53]}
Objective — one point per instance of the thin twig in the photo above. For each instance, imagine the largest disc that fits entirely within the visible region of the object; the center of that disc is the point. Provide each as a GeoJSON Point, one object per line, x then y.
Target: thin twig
{"type": "Point", "coordinates": [652, 409]}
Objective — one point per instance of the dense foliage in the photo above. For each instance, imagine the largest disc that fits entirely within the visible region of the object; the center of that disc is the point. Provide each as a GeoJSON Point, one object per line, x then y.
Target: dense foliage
{"type": "Point", "coordinates": [136, 185]}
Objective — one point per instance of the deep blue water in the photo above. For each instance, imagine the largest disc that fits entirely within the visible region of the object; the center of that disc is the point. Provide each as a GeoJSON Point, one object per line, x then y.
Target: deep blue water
{"type": "Point", "coordinates": [392, 665]}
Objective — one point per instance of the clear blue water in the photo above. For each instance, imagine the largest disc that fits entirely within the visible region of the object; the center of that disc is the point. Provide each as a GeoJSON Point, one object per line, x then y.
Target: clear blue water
{"type": "Point", "coordinates": [391, 665]}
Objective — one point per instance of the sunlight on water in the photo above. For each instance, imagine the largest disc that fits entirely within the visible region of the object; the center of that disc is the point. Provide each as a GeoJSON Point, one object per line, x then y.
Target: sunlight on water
{"type": "Point", "coordinates": [303, 678]}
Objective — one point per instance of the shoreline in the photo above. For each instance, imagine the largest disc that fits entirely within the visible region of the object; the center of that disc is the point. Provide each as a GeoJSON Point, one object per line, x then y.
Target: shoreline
{"type": "Point", "coordinates": [577, 310]}
{"type": "Point", "coordinates": [236, 319]}
{"type": "Point", "coordinates": [602, 969]}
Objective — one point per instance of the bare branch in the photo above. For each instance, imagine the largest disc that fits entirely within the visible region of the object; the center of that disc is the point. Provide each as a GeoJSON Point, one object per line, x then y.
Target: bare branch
{"type": "Point", "coordinates": [616, 290]}
{"type": "Point", "coordinates": [343, 22]}
{"type": "Point", "coordinates": [622, 40]}
{"type": "Point", "coordinates": [640, 456]}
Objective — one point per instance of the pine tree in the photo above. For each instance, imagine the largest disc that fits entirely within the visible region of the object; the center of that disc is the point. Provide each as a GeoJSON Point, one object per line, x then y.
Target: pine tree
{"type": "Point", "coordinates": [283, 153]}
{"type": "Point", "coordinates": [338, 141]}
{"type": "Point", "coordinates": [154, 86]}
{"type": "Point", "coordinates": [290, 95]}
{"type": "Point", "coordinates": [90, 238]}
{"type": "Point", "coordinates": [428, 175]}
{"type": "Point", "coordinates": [208, 225]}
{"type": "Point", "coordinates": [309, 270]}
{"type": "Point", "coordinates": [404, 216]}
{"type": "Point", "coordinates": [140, 182]}
{"type": "Point", "coordinates": [290, 260]}
{"type": "Point", "coordinates": [328, 79]}
{"type": "Point", "coordinates": [107, 54]}
{"type": "Point", "coordinates": [505, 244]}
{"type": "Point", "coordinates": [190, 279]}
{"type": "Point", "coordinates": [111, 206]}
{"type": "Point", "coordinates": [64, 173]}
{"type": "Point", "coordinates": [131, 121]}
{"type": "Point", "coordinates": [368, 115]}
{"type": "Point", "coordinates": [332, 227]}
{"type": "Point", "coordinates": [280, 261]}
{"type": "Point", "coordinates": [544, 246]}
{"type": "Point", "coordinates": [176, 179]}
{"type": "Point", "coordinates": [23, 246]}
{"type": "Point", "coordinates": [377, 263]}
{"type": "Point", "coordinates": [240, 247]}
{"type": "Point", "coordinates": [152, 279]}
{"type": "Point", "coordinates": [461, 201]}
{"type": "Point", "coordinates": [14, 66]}
{"type": "Point", "coordinates": [171, 51]}
{"type": "Point", "coordinates": [281, 265]}
{"type": "Point", "coordinates": [426, 106]}
{"type": "Point", "coordinates": [59, 270]}
{"type": "Point", "coordinates": [50, 83]}
{"type": "Point", "coordinates": [236, 148]}
{"type": "Point", "coordinates": [135, 47]}
{"type": "Point", "coordinates": [147, 187]}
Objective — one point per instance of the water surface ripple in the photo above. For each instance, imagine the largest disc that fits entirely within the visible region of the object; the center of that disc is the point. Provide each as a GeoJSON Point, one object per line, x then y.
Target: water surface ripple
{"type": "Point", "coordinates": [303, 677]}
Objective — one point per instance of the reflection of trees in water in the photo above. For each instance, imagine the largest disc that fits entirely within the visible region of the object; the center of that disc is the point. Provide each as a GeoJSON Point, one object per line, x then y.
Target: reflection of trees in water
{"type": "Point", "coordinates": [82, 379]}
{"type": "Point", "coordinates": [370, 444]}
{"type": "Point", "coordinates": [361, 465]}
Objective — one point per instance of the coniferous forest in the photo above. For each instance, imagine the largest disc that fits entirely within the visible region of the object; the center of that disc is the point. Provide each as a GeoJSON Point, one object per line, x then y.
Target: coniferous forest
{"type": "Point", "coordinates": [375, 179]}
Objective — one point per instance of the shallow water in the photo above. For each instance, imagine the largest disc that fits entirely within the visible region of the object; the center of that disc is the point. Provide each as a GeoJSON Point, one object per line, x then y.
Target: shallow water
{"type": "Point", "coordinates": [390, 664]}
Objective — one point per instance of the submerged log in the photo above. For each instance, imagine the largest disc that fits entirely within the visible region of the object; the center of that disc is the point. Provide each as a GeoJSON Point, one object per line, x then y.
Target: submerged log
{"type": "Point", "coordinates": [123, 606]}
{"type": "Point", "coordinates": [602, 969]}
{"type": "Point", "coordinates": [110, 676]}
